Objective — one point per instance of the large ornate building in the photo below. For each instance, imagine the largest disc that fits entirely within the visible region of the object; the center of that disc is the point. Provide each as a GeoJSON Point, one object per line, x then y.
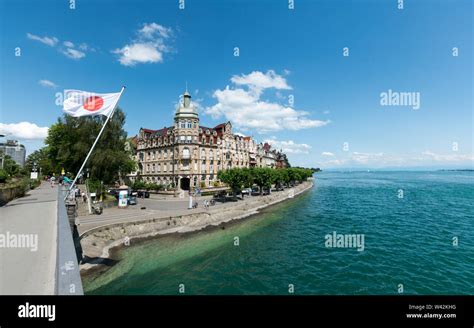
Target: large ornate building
{"type": "Point", "coordinates": [190, 155]}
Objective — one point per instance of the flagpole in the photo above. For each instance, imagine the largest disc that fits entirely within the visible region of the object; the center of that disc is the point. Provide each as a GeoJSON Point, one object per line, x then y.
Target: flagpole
{"type": "Point", "coordinates": [95, 142]}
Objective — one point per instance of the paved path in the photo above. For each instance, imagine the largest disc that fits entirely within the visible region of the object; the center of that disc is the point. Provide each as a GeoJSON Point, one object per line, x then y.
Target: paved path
{"type": "Point", "coordinates": [23, 271]}
{"type": "Point", "coordinates": [154, 209]}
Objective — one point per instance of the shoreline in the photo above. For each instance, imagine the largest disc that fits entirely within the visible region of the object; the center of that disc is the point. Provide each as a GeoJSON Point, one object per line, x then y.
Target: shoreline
{"type": "Point", "coordinates": [101, 244]}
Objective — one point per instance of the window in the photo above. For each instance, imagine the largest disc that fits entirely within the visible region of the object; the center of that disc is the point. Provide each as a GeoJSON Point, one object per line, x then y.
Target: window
{"type": "Point", "coordinates": [186, 153]}
{"type": "Point", "coordinates": [153, 168]}
{"type": "Point", "coordinates": [188, 139]}
{"type": "Point", "coordinates": [182, 138]}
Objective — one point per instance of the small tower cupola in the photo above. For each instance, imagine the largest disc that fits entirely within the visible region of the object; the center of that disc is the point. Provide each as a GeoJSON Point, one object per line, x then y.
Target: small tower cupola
{"type": "Point", "coordinates": [186, 99]}
{"type": "Point", "coordinates": [186, 109]}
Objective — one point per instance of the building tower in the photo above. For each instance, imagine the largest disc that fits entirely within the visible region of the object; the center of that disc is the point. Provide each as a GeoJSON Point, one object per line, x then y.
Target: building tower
{"type": "Point", "coordinates": [186, 124]}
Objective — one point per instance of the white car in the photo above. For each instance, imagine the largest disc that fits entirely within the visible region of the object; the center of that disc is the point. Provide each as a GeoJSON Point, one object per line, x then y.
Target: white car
{"type": "Point", "coordinates": [247, 191]}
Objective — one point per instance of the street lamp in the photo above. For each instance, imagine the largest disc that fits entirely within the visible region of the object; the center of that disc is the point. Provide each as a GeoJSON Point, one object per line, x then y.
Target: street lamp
{"type": "Point", "coordinates": [2, 158]}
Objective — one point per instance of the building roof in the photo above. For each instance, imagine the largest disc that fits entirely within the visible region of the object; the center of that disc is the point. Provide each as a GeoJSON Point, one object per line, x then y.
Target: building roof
{"type": "Point", "coordinates": [160, 132]}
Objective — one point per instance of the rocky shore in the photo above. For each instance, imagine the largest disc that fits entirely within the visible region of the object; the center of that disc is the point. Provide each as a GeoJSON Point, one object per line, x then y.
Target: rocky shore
{"type": "Point", "coordinates": [98, 243]}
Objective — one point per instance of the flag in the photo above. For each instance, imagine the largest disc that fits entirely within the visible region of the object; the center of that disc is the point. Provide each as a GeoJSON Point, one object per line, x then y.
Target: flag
{"type": "Point", "coordinates": [82, 103]}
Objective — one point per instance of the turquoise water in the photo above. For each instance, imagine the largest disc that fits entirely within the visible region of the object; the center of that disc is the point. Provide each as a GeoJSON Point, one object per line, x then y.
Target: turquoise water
{"type": "Point", "coordinates": [407, 241]}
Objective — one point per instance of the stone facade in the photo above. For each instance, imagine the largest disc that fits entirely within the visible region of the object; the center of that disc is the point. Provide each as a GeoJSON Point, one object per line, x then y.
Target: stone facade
{"type": "Point", "coordinates": [190, 155]}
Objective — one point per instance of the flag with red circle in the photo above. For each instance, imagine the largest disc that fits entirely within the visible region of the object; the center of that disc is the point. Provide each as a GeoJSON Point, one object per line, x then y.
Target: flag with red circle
{"type": "Point", "coordinates": [82, 103]}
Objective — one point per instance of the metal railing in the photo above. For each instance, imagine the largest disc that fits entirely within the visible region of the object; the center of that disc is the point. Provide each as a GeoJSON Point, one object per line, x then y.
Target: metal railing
{"type": "Point", "coordinates": [68, 278]}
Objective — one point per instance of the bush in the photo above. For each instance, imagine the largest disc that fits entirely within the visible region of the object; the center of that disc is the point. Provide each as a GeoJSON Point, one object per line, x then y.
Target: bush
{"type": "Point", "coordinates": [137, 185]}
{"type": "Point", "coordinates": [3, 176]}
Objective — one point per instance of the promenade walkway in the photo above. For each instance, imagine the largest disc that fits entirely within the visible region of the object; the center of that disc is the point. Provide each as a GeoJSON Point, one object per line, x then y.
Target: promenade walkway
{"type": "Point", "coordinates": [30, 269]}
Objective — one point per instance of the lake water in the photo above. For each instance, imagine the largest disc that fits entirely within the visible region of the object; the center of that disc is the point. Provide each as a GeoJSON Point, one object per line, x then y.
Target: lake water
{"type": "Point", "coordinates": [409, 241]}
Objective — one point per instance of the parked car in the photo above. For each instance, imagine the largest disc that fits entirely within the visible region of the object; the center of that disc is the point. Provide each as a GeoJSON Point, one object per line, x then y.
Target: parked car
{"type": "Point", "coordinates": [221, 196]}
{"type": "Point", "coordinates": [247, 191]}
{"type": "Point", "coordinates": [143, 193]}
{"type": "Point", "coordinates": [255, 191]}
{"type": "Point", "coordinates": [132, 200]}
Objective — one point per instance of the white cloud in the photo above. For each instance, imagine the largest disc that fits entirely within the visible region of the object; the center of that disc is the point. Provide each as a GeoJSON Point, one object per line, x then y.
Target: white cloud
{"type": "Point", "coordinates": [149, 47]}
{"type": "Point", "coordinates": [365, 158]}
{"type": "Point", "coordinates": [289, 146]}
{"type": "Point", "coordinates": [23, 130]}
{"type": "Point", "coordinates": [130, 55]}
{"type": "Point", "coordinates": [380, 160]}
{"type": "Point", "coordinates": [73, 53]}
{"type": "Point", "coordinates": [47, 84]}
{"type": "Point", "coordinates": [245, 109]}
{"type": "Point", "coordinates": [68, 48]}
{"type": "Point", "coordinates": [260, 81]}
{"type": "Point", "coordinates": [153, 30]}
{"type": "Point", "coordinates": [453, 157]}
{"type": "Point", "coordinates": [50, 41]}
{"type": "Point", "coordinates": [327, 153]}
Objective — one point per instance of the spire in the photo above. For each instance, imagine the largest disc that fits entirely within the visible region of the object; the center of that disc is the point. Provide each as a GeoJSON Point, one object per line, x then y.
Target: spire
{"type": "Point", "coordinates": [186, 97]}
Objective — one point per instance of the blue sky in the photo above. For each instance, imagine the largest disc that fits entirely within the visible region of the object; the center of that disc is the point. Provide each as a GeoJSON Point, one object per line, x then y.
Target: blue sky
{"type": "Point", "coordinates": [154, 48]}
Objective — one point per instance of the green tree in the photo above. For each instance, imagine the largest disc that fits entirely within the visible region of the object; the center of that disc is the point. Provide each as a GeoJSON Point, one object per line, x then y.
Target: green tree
{"type": "Point", "coordinates": [278, 177]}
{"type": "Point", "coordinates": [234, 178]}
{"type": "Point", "coordinates": [70, 139]}
{"type": "Point", "coordinates": [42, 161]}
{"type": "Point", "coordinates": [247, 177]}
{"type": "Point", "coordinates": [10, 166]}
{"type": "Point", "coordinates": [293, 175]}
{"type": "Point", "coordinates": [262, 177]}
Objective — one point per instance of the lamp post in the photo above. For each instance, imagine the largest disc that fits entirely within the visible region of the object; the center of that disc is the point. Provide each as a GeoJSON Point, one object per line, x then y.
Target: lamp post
{"type": "Point", "coordinates": [2, 158]}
